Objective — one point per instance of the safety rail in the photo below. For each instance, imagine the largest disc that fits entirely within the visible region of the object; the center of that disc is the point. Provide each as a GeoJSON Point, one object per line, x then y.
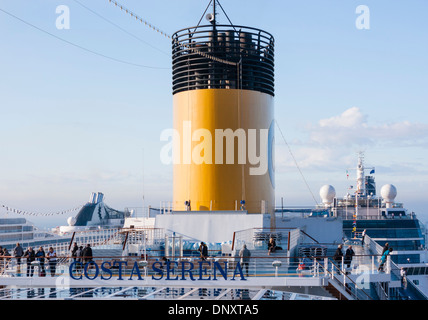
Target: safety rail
{"type": "Point", "coordinates": [174, 207]}
{"type": "Point", "coordinates": [409, 285]}
{"type": "Point", "coordinates": [278, 266]}
{"type": "Point", "coordinates": [252, 50]}
{"type": "Point", "coordinates": [62, 244]}
{"type": "Point", "coordinates": [341, 280]}
{"type": "Point", "coordinates": [258, 266]}
{"type": "Point", "coordinates": [257, 238]}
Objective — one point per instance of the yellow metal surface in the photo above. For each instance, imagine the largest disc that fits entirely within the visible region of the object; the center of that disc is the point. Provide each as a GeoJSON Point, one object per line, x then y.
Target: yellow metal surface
{"type": "Point", "coordinates": [201, 175]}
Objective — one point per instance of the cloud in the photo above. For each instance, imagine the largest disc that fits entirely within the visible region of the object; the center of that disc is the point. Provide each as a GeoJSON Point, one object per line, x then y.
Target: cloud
{"type": "Point", "coordinates": [351, 118]}
{"type": "Point", "coordinates": [333, 142]}
{"type": "Point", "coordinates": [352, 128]}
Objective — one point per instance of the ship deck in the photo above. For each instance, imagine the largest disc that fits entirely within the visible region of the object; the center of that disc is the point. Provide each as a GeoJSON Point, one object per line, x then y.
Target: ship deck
{"type": "Point", "coordinates": [270, 277]}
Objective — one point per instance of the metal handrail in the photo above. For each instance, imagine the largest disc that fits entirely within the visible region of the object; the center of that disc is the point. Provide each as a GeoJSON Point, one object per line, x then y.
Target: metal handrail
{"type": "Point", "coordinates": [262, 264]}
{"type": "Point", "coordinates": [394, 270]}
{"type": "Point", "coordinates": [249, 54]}
{"type": "Point", "coordinates": [348, 279]}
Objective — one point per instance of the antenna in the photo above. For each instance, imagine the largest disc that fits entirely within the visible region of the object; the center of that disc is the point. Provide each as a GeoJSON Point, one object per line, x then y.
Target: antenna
{"type": "Point", "coordinates": [143, 181]}
{"type": "Point", "coordinates": [214, 13]}
{"type": "Point", "coordinates": [211, 17]}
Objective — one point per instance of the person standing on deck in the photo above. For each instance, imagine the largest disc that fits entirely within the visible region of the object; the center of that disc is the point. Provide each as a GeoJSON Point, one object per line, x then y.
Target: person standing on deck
{"type": "Point", "coordinates": [18, 252]}
{"type": "Point", "coordinates": [51, 256]}
{"type": "Point", "coordinates": [348, 256]}
{"type": "Point", "coordinates": [203, 250]}
{"type": "Point", "coordinates": [31, 257]}
{"type": "Point", "coordinates": [245, 255]}
{"type": "Point", "coordinates": [338, 255]}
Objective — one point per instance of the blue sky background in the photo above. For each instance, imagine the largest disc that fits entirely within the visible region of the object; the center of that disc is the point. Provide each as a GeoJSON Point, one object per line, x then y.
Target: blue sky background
{"type": "Point", "coordinates": [73, 122]}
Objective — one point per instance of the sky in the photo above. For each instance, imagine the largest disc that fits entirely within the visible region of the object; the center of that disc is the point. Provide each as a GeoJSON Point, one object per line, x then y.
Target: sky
{"type": "Point", "coordinates": [82, 108]}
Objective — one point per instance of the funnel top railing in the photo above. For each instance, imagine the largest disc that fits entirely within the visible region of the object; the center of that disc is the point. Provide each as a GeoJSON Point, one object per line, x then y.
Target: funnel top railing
{"type": "Point", "coordinates": [223, 57]}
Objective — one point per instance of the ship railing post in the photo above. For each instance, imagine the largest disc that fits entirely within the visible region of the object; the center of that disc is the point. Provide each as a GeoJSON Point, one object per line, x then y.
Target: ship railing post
{"type": "Point", "coordinates": [255, 267]}
{"type": "Point", "coordinates": [344, 279]}
{"type": "Point", "coordinates": [173, 247]}
{"type": "Point", "coordinates": [373, 265]}
{"type": "Point", "coordinates": [166, 246]}
{"type": "Point", "coordinates": [325, 266]}
{"type": "Point", "coordinates": [388, 264]}
{"type": "Point", "coordinates": [316, 268]}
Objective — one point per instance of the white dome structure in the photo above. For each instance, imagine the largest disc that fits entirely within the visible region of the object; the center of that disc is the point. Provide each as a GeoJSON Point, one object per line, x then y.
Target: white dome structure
{"type": "Point", "coordinates": [388, 193]}
{"type": "Point", "coordinates": [71, 221]}
{"type": "Point", "coordinates": [327, 194]}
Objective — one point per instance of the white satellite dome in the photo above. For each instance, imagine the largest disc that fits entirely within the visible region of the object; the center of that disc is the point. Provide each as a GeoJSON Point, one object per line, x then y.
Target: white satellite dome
{"type": "Point", "coordinates": [327, 194]}
{"type": "Point", "coordinates": [388, 192]}
{"type": "Point", "coordinates": [71, 221]}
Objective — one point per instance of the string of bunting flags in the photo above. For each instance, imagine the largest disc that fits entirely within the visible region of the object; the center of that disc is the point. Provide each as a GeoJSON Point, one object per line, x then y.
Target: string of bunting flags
{"type": "Point", "coordinates": [24, 212]}
{"type": "Point", "coordinates": [189, 47]}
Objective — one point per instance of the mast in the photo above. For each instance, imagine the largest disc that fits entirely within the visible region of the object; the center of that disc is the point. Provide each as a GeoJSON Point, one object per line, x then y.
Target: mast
{"type": "Point", "coordinates": [360, 174]}
{"type": "Point", "coordinates": [214, 13]}
{"type": "Point", "coordinates": [360, 190]}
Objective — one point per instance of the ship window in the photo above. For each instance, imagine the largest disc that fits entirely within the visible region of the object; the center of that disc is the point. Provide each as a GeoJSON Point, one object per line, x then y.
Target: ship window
{"type": "Point", "coordinates": [13, 221]}
{"type": "Point", "coordinates": [10, 229]}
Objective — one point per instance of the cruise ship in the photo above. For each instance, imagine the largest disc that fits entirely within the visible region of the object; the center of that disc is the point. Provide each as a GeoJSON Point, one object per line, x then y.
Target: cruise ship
{"type": "Point", "coordinates": [93, 218]}
{"type": "Point", "coordinates": [221, 237]}
{"type": "Point", "coordinates": [156, 255]}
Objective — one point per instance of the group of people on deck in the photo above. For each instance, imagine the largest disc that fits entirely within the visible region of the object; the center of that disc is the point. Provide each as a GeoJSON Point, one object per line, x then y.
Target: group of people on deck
{"type": "Point", "coordinates": [339, 257]}
{"type": "Point", "coordinates": [80, 254]}
{"type": "Point", "coordinates": [33, 258]}
{"type": "Point", "coordinates": [347, 257]}
{"type": "Point", "coordinates": [41, 259]}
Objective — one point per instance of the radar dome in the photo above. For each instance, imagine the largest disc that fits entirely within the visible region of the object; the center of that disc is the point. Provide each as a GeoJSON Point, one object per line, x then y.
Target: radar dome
{"type": "Point", "coordinates": [327, 194]}
{"type": "Point", "coordinates": [71, 221]}
{"type": "Point", "coordinates": [388, 192]}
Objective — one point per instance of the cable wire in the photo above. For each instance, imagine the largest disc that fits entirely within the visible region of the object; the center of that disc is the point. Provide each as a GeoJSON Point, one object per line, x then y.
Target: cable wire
{"type": "Point", "coordinates": [148, 24]}
{"type": "Point", "coordinates": [295, 161]}
{"type": "Point", "coordinates": [120, 28]}
{"type": "Point", "coordinates": [79, 46]}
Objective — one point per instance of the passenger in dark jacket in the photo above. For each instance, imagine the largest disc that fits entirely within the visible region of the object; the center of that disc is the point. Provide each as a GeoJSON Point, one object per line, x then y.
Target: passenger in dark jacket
{"type": "Point", "coordinates": [74, 251]}
{"type": "Point", "coordinates": [348, 256]}
{"type": "Point", "coordinates": [79, 258]}
{"type": "Point", "coordinates": [40, 256]}
{"type": "Point", "coordinates": [31, 257]}
{"type": "Point", "coordinates": [87, 254]}
{"type": "Point", "coordinates": [338, 257]}
{"type": "Point", "coordinates": [338, 254]}
{"type": "Point", "coordinates": [203, 250]}
{"type": "Point", "coordinates": [79, 254]}
{"type": "Point", "coordinates": [271, 245]}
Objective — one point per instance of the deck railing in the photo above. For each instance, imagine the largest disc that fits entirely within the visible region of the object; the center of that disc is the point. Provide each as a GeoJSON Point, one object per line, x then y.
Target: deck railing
{"type": "Point", "coordinates": [258, 266]}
